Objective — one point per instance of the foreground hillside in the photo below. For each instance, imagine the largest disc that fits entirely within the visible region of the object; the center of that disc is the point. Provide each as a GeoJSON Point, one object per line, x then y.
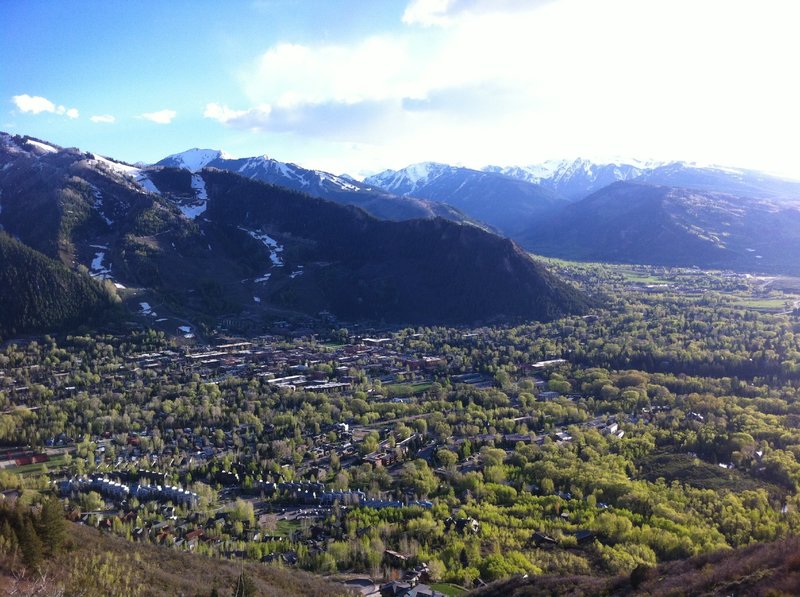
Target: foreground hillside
{"type": "Point", "coordinates": [97, 563]}
{"type": "Point", "coordinates": [760, 569]}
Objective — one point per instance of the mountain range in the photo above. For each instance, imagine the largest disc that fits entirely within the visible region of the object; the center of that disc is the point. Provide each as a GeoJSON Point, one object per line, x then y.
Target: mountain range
{"type": "Point", "coordinates": [632, 222]}
{"type": "Point", "coordinates": [316, 183]}
{"type": "Point", "coordinates": [506, 203]}
{"type": "Point", "coordinates": [712, 216]}
{"type": "Point", "coordinates": [210, 245]}
{"type": "Point", "coordinates": [576, 179]}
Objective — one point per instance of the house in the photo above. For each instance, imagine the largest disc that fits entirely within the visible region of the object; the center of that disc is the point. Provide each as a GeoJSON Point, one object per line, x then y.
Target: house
{"type": "Point", "coordinates": [395, 558]}
{"type": "Point", "coordinates": [462, 525]}
{"type": "Point", "coordinates": [542, 540]}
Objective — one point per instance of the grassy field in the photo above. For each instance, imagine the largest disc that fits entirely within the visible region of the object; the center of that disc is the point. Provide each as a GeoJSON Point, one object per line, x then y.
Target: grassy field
{"type": "Point", "coordinates": [285, 528]}
{"type": "Point", "coordinates": [773, 304]}
{"type": "Point", "coordinates": [403, 389]}
{"type": "Point", "coordinates": [32, 470]}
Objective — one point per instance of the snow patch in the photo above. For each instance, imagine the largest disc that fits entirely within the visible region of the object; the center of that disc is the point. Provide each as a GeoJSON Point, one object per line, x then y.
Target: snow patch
{"type": "Point", "coordinates": [124, 169]}
{"type": "Point", "coordinates": [147, 184]}
{"type": "Point", "coordinates": [198, 207]}
{"type": "Point", "coordinates": [147, 310]}
{"type": "Point", "coordinates": [297, 272]}
{"type": "Point", "coordinates": [263, 278]}
{"type": "Point", "coordinates": [98, 269]}
{"type": "Point", "coordinates": [98, 205]}
{"type": "Point", "coordinates": [256, 299]}
{"type": "Point", "coordinates": [41, 146]}
{"type": "Point", "coordinates": [185, 328]}
{"type": "Point", "coordinates": [274, 247]}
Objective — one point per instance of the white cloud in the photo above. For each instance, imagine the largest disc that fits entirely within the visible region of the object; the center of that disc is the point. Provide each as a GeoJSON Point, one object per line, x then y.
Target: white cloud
{"type": "Point", "coordinates": [103, 118]}
{"type": "Point", "coordinates": [513, 81]}
{"type": "Point", "coordinates": [160, 117]}
{"type": "Point", "coordinates": [238, 118]}
{"type": "Point", "coordinates": [427, 12]}
{"type": "Point", "coordinates": [36, 104]}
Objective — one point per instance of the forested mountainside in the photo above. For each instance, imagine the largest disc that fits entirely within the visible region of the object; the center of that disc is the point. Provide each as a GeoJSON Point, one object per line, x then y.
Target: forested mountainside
{"type": "Point", "coordinates": [39, 294]}
{"type": "Point", "coordinates": [637, 223]}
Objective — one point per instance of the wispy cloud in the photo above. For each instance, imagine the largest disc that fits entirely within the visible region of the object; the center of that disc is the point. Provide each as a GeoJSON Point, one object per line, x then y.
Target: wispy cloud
{"type": "Point", "coordinates": [103, 118]}
{"type": "Point", "coordinates": [36, 104]}
{"type": "Point", "coordinates": [443, 12]}
{"type": "Point", "coordinates": [160, 117]}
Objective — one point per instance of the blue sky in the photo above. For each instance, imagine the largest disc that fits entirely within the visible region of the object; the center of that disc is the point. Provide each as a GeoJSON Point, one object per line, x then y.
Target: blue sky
{"type": "Point", "coordinates": [358, 86]}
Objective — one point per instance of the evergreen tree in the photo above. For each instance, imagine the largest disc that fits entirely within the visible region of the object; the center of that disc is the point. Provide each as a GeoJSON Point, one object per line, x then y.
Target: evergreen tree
{"type": "Point", "coordinates": [52, 526]}
{"type": "Point", "coordinates": [30, 544]}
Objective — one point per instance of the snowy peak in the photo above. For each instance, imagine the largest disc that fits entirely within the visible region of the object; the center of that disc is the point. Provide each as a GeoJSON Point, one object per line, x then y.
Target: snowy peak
{"type": "Point", "coordinates": [578, 178]}
{"type": "Point", "coordinates": [411, 178]}
{"type": "Point", "coordinates": [266, 169]}
{"type": "Point", "coordinates": [193, 159]}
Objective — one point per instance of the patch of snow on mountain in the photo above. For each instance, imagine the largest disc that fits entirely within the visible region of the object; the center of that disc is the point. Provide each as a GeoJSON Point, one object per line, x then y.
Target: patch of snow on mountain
{"type": "Point", "coordinates": [263, 278]}
{"type": "Point", "coordinates": [147, 184]}
{"type": "Point", "coordinates": [198, 207]}
{"type": "Point", "coordinates": [42, 146]}
{"type": "Point", "coordinates": [274, 247]}
{"type": "Point", "coordinates": [117, 167]}
{"type": "Point", "coordinates": [98, 205]}
{"type": "Point", "coordinates": [336, 180]}
{"type": "Point", "coordinates": [98, 269]}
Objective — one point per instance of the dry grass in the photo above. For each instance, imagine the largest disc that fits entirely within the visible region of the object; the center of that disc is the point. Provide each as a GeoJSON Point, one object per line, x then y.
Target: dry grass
{"type": "Point", "coordinates": [763, 569]}
{"type": "Point", "coordinates": [164, 571]}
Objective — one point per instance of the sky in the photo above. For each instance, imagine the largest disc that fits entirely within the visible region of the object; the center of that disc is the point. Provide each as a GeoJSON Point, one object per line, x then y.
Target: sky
{"type": "Point", "coordinates": [357, 86]}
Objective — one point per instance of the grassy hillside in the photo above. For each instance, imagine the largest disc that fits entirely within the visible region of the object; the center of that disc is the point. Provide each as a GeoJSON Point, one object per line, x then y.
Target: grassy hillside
{"type": "Point", "coordinates": [760, 569]}
{"type": "Point", "coordinates": [100, 563]}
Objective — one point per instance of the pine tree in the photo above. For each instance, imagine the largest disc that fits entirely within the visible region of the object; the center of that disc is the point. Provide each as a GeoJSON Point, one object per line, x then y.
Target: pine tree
{"type": "Point", "coordinates": [52, 526]}
{"type": "Point", "coordinates": [30, 544]}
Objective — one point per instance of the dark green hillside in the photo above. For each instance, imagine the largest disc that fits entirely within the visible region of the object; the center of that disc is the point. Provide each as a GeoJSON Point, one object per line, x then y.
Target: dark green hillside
{"type": "Point", "coordinates": [40, 294]}
{"type": "Point", "coordinates": [413, 271]}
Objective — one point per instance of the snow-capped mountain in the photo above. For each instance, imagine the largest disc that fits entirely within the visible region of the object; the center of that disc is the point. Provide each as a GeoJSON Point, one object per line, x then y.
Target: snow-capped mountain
{"type": "Point", "coordinates": [193, 159]}
{"type": "Point", "coordinates": [317, 183]}
{"type": "Point", "coordinates": [575, 179]}
{"type": "Point", "coordinates": [504, 202]}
